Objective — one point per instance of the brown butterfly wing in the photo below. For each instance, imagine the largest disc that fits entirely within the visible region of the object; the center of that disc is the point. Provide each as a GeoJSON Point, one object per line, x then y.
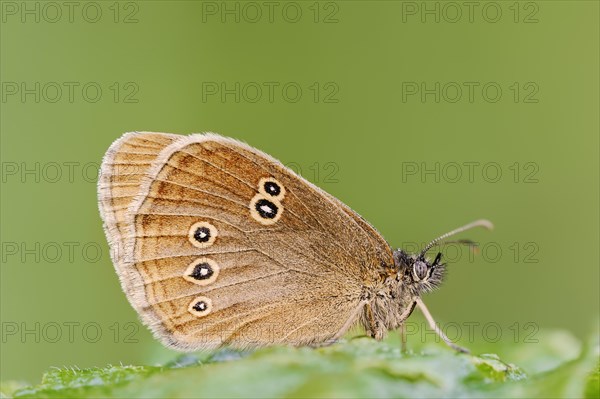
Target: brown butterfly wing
{"type": "Point", "coordinates": [298, 277]}
{"type": "Point", "coordinates": [124, 165]}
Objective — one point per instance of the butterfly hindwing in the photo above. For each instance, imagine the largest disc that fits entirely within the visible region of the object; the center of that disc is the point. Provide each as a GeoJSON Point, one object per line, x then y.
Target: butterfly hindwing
{"type": "Point", "coordinates": [124, 166]}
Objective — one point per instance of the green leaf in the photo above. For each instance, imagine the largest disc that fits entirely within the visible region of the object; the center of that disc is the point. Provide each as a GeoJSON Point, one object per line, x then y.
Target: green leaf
{"type": "Point", "coordinates": [592, 388]}
{"type": "Point", "coordinates": [359, 367]}
{"type": "Point", "coordinates": [8, 387]}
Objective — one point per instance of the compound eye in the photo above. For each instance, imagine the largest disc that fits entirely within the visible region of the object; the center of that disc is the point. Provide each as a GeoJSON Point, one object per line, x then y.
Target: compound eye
{"type": "Point", "coordinates": [420, 270]}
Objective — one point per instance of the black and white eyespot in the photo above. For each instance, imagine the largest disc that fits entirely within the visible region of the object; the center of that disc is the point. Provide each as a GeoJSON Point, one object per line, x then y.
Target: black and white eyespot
{"type": "Point", "coordinates": [265, 210]}
{"type": "Point", "coordinates": [200, 306]}
{"type": "Point", "coordinates": [202, 234]}
{"type": "Point", "coordinates": [271, 188]}
{"type": "Point", "coordinates": [202, 271]}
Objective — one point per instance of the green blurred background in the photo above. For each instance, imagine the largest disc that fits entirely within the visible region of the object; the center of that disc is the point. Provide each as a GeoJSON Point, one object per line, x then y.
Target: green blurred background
{"type": "Point", "coordinates": [364, 126]}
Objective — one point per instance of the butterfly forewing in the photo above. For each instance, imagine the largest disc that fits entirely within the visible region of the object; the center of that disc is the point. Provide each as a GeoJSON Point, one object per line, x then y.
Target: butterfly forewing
{"type": "Point", "coordinates": [227, 246]}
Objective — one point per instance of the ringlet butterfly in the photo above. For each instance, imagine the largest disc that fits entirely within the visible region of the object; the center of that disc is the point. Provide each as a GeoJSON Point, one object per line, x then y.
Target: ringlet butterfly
{"type": "Point", "coordinates": [217, 243]}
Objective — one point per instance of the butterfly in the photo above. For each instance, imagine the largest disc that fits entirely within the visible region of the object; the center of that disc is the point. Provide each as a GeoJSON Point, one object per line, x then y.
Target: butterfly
{"type": "Point", "coordinates": [217, 243]}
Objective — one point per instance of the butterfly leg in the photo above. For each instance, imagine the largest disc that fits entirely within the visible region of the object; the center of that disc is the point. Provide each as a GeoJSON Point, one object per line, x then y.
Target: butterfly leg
{"type": "Point", "coordinates": [433, 325]}
{"type": "Point", "coordinates": [405, 315]}
{"type": "Point", "coordinates": [403, 338]}
{"type": "Point", "coordinates": [375, 330]}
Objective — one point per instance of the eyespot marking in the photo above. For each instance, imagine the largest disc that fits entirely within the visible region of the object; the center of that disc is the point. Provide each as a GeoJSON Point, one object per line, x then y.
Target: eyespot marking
{"type": "Point", "coordinates": [266, 208]}
{"type": "Point", "coordinates": [202, 271]}
{"type": "Point", "coordinates": [202, 234]}
{"type": "Point", "coordinates": [271, 188]}
{"type": "Point", "coordinates": [266, 211]}
{"type": "Point", "coordinates": [200, 306]}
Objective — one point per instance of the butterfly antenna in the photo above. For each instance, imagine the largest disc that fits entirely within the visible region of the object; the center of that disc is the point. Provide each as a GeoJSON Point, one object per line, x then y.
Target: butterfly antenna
{"type": "Point", "coordinates": [478, 223]}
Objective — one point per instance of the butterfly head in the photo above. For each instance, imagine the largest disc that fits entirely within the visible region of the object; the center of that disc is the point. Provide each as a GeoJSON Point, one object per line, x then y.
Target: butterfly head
{"type": "Point", "coordinates": [417, 273]}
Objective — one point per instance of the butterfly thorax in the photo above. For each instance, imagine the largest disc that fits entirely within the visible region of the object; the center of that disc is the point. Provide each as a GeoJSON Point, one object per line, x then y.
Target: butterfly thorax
{"type": "Point", "coordinates": [394, 300]}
